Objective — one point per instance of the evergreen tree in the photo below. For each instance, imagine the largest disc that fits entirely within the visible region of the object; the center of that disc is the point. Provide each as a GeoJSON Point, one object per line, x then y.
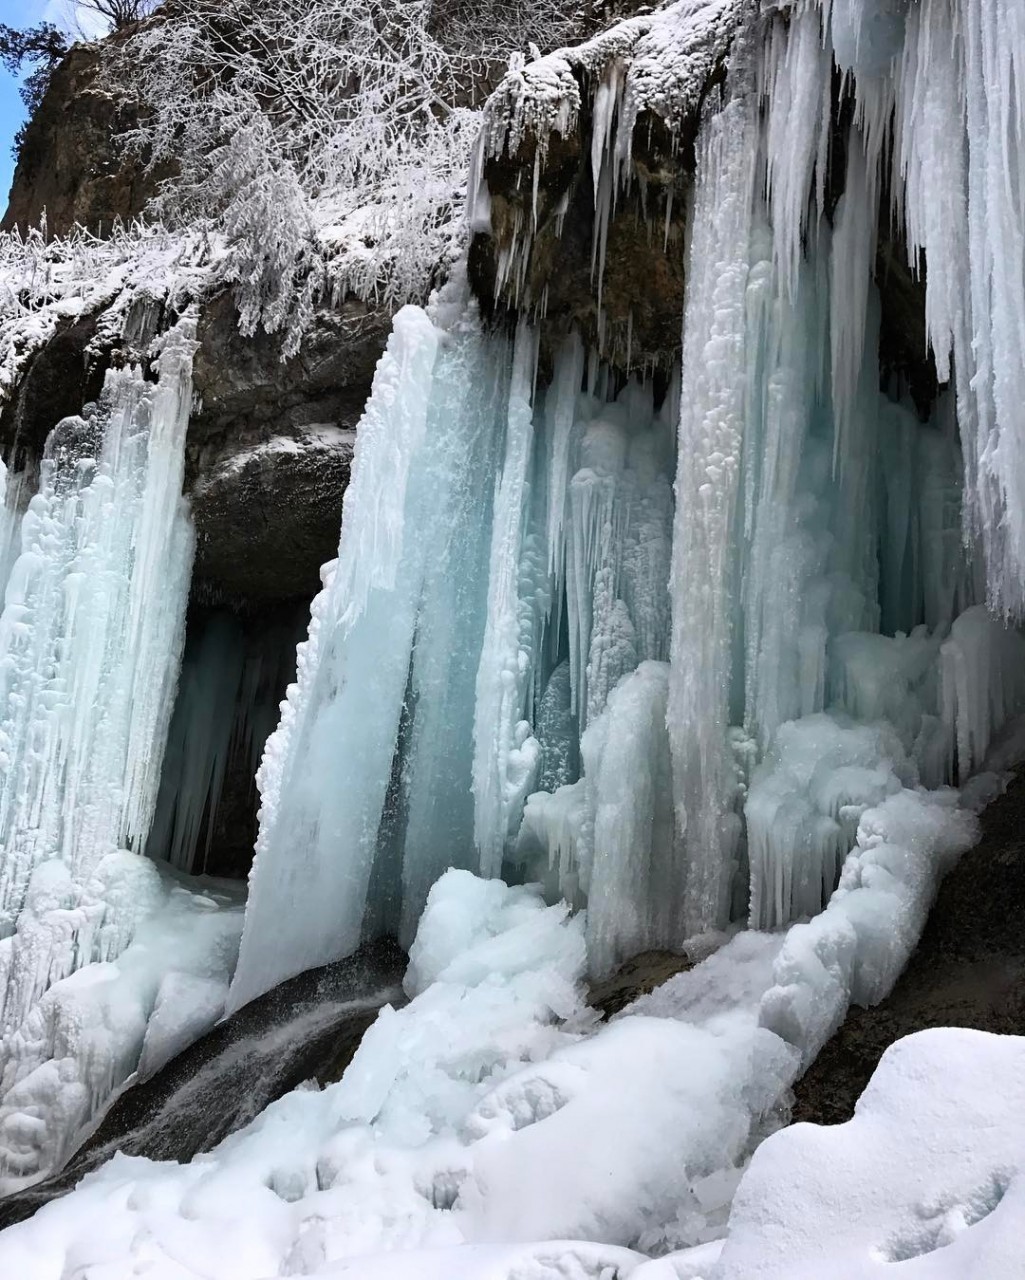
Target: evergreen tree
{"type": "Point", "coordinates": [40, 47]}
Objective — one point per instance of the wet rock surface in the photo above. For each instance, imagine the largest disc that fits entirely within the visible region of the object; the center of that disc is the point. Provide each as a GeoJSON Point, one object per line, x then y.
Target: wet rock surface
{"type": "Point", "coordinates": [968, 971]}
{"type": "Point", "coordinates": [636, 978]}
{"type": "Point", "coordinates": [270, 448]}
{"type": "Point", "coordinates": [308, 1028]}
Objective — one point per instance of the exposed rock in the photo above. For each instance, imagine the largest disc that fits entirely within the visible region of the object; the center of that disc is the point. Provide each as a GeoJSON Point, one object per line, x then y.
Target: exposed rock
{"type": "Point", "coordinates": [637, 977]}
{"type": "Point", "coordinates": [968, 970]}
{"type": "Point", "coordinates": [69, 165]}
{"type": "Point", "coordinates": [308, 1028]}
{"type": "Point", "coordinates": [58, 380]}
{"type": "Point", "coordinates": [270, 449]}
{"type": "Point", "coordinates": [641, 84]}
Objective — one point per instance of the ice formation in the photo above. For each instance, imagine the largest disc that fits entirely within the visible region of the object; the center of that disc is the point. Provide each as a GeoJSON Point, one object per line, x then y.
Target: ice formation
{"type": "Point", "coordinates": [90, 639]}
{"type": "Point", "coordinates": [674, 712]}
{"type": "Point", "coordinates": [745, 698]}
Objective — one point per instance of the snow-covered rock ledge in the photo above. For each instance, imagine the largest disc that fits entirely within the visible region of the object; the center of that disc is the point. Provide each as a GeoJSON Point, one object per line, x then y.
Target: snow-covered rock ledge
{"type": "Point", "coordinates": [579, 181]}
{"type": "Point", "coordinates": [658, 63]}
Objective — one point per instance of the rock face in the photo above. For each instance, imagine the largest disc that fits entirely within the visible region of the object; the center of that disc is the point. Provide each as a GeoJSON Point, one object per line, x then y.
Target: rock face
{"type": "Point", "coordinates": [69, 167]}
{"type": "Point", "coordinates": [270, 449]}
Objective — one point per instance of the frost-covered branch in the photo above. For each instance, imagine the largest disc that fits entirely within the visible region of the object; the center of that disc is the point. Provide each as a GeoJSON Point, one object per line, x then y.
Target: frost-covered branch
{"type": "Point", "coordinates": [327, 139]}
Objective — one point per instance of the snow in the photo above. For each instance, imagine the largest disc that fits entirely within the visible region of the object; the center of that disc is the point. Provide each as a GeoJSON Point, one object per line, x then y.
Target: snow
{"type": "Point", "coordinates": [485, 1112]}
{"type": "Point", "coordinates": [927, 1175]}
{"type": "Point", "coordinates": [491, 1109]}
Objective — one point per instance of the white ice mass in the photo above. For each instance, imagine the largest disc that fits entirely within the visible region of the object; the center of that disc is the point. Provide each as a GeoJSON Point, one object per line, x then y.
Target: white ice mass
{"type": "Point", "coordinates": [713, 662]}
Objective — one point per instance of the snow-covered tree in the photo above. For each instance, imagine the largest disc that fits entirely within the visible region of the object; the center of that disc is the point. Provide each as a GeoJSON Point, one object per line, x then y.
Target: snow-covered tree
{"type": "Point", "coordinates": [39, 49]}
{"type": "Point", "coordinates": [327, 139]}
{"type": "Point", "coordinates": [118, 13]}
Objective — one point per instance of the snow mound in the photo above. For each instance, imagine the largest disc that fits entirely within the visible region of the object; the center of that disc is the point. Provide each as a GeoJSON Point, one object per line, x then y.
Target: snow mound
{"type": "Point", "coordinates": [486, 1112]}
{"type": "Point", "coordinates": [929, 1174]}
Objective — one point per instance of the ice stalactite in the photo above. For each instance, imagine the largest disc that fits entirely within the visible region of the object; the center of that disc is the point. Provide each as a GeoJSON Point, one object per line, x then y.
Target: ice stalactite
{"type": "Point", "coordinates": [506, 754]}
{"type": "Point", "coordinates": [14, 494]}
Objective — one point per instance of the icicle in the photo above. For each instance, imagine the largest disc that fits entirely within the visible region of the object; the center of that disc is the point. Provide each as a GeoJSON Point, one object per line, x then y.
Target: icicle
{"type": "Point", "coordinates": [851, 267]}
{"type": "Point", "coordinates": [982, 673]}
{"type": "Point", "coordinates": [506, 756]}
{"type": "Point", "coordinates": [797, 90]}
{"type": "Point", "coordinates": [788, 508]}
{"type": "Point", "coordinates": [633, 892]}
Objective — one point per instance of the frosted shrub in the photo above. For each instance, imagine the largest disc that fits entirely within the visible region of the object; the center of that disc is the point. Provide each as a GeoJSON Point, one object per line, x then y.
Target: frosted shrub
{"type": "Point", "coordinates": [327, 139]}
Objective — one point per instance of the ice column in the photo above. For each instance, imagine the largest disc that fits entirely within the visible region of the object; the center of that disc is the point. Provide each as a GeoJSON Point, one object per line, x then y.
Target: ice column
{"type": "Point", "coordinates": [366, 784]}
{"type": "Point", "coordinates": [715, 372]}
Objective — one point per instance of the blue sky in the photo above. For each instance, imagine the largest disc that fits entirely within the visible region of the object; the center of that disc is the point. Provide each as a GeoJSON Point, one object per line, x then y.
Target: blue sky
{"type": "Point", "coordinates": [20, 13]}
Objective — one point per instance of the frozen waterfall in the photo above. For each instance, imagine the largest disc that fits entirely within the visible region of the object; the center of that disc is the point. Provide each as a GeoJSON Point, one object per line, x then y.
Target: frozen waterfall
{"type": "Point", "coordinates": [93, 938]}
{"type": "Point", "coordinates": [535, 659]}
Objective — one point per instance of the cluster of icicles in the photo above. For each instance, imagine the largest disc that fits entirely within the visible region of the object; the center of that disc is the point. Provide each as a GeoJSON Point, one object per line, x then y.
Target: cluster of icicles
{"type": "Point", "coordinates": [530, 661]}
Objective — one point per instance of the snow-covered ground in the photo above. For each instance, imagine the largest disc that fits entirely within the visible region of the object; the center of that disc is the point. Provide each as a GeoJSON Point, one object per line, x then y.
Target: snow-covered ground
{"type": "Point", "coordinates": [493, 1108]}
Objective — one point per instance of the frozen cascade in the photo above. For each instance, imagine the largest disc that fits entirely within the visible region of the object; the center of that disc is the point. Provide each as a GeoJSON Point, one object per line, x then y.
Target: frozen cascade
{"type": "Point", "coordinates": [457, 675]}
{"type": "Point", "coordinates": [467, 686]}
{"type": "Point", "coordinates": [92, 629]}
{"type": "Point", "coordinates": [381, 664]}
{"type": "Point", "coordinates": [90, 641]}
